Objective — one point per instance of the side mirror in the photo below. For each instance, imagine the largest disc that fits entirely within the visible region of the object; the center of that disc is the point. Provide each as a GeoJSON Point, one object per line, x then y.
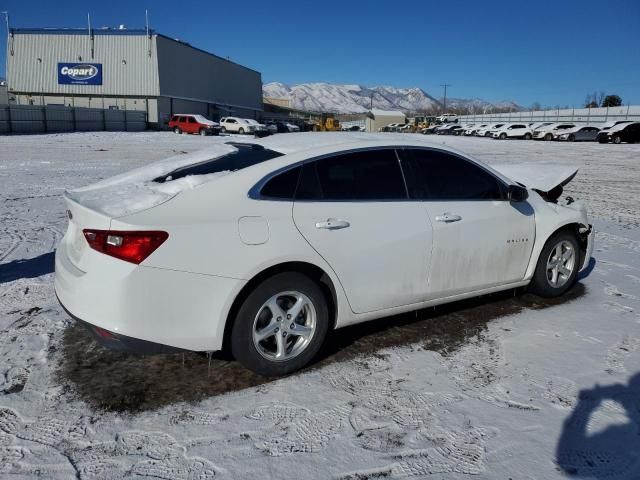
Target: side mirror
{"type": "Point", "coordinates": [516, 193]}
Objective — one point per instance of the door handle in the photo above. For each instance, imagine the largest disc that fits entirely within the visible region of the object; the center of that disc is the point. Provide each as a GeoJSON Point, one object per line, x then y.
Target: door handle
{"type": "Point", "coordinates": [333, 224]}
{"type": "Point", "coordinates": [448, 218]}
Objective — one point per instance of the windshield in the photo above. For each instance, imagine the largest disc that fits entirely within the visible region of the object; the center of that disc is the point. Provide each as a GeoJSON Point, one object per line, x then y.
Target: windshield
{"type": "Point", "coordinates": [203, 119]}
{"type": "Point", "coordinates": [246, 155]}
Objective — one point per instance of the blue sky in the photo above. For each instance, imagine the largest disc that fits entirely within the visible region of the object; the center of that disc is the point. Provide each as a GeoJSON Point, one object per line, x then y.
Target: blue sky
{"type": "Point", "coordinates": [553, 52]}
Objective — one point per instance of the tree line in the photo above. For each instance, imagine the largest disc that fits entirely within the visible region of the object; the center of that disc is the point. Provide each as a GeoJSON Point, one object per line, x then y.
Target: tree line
{"type": "Point", "coordinates": [600, 99]}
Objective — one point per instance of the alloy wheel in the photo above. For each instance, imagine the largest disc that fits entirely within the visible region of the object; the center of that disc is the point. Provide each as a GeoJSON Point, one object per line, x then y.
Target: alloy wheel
{"type": "Point", "coordinates": [560, 265]}
{"type": "Point", "coordinates": [284, 326]}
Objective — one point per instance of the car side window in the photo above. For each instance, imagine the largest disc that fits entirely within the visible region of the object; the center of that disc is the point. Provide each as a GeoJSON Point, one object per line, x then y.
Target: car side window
{"type": "Point", "coordinates": [174, 118]}
{"type": "Point", "coordinates": [181, 120]}
{"type": "Point", "coordinates": [191, 120]}
{"type": "Point", "coordinates": [357, 176]}
{"type": "Point", "coordinates": [438, 175]}
{"type": "Point", "coordinates": [282, 186]}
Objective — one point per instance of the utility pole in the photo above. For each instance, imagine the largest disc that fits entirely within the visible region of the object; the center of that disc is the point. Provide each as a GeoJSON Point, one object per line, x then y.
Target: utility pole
{"type": "Point", "coordinates": [6, 69]}
{"type": "Point", "coordinates": [444, 103]}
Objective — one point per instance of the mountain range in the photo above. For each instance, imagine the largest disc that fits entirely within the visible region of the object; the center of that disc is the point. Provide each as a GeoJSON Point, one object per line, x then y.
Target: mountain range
{"type": "Point", "coordinates": [353, 98]}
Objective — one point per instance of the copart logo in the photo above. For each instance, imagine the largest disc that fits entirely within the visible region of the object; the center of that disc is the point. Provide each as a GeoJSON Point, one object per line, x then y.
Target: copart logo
{"type": "Point", "coordinates": [80, 73]}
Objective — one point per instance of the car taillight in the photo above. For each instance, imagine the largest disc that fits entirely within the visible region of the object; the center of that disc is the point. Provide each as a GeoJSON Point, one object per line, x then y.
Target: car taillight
{"type": "Point", "coordinates": [131, 247]}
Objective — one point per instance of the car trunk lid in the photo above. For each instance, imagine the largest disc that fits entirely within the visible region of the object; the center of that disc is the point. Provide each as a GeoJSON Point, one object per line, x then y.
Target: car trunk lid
{"type": "Point", "coordinates": [80, 218]}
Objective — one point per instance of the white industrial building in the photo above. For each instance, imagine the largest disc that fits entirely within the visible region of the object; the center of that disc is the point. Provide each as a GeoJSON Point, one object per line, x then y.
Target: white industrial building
{"type": "Point", "coordinates": [376, 119]}
{"type": "Point", "coordinates": [127, 69]}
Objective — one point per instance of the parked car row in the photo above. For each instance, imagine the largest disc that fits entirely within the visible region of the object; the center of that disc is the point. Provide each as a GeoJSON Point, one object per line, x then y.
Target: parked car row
{"type": "Point", "coordinates": [199, 124]}
{"type": "Point", "coordinates": [615, 131]}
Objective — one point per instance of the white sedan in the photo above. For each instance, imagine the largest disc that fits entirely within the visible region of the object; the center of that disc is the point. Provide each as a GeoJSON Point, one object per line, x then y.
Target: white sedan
{"type": "Point", "coordinates": [263, 247]}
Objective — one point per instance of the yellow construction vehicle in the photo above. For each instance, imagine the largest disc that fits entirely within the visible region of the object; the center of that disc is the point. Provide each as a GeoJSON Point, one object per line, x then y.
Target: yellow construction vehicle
{"type": "Point", "coordinates": [326, 123]}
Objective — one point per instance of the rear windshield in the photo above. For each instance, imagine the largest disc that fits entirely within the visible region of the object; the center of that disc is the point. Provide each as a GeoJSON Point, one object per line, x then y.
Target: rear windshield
{"type": "Point", "coordinates": [246, 156]}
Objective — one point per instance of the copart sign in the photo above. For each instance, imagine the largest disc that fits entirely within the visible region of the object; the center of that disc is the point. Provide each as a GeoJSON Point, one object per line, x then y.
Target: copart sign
{"type": "Point", "coordinates": [80, 73]}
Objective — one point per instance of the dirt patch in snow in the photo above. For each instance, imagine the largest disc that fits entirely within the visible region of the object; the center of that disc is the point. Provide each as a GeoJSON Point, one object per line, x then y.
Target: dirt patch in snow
{"type": "Point", "coordinates": [122, 382]}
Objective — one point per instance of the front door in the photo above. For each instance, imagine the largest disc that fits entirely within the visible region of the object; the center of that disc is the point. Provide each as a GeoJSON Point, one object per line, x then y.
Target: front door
{"type": "Point", "coordinates": [353, 210]}
{"type": "Point", "coordinates": [480, 239]}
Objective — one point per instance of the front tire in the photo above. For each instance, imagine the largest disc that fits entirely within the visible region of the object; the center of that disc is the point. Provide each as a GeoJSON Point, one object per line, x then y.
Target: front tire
{"type": "Point", "coordinates": [177, 131]}
{"type": "Point", "coordinates": [503, 136]}
{"type": "Point", "coordinates": [203, 132]}
{"type": "Point", "coordinates": [281, 325]}
{"type": "Point", "coordinates": [241, 131]}
{"type": "Point", "coordinates": [558, 265]}
{"type": "Point", "coordinates": [617, 139]}
{"type": "Point", "coordinates": [548, 137]}
{"type": "Point", "coordinates": [572, 138]}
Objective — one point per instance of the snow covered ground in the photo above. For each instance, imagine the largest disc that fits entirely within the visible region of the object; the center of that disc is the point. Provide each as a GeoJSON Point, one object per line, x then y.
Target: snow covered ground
{"type": "Point", "coordinates": [500, 387]}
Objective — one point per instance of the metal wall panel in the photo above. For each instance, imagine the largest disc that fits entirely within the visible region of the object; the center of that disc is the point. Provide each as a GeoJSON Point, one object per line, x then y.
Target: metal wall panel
{"type": "Point", "coordinates": [188, 73]}
{"type": "Point", "coordinates": [60, 118]}
{"type": "Point", "coordinates": [127, 67]}
{"type": "Point", "coordinates": [587, 116]}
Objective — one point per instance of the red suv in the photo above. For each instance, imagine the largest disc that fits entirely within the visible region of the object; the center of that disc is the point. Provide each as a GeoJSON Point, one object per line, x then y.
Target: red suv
{"type": "Point", "coordinates": [188, 123]}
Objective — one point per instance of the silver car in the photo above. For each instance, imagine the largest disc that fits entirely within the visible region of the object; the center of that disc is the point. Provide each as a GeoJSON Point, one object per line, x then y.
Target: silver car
{"type": "Point", "coordinates": [580, 134]}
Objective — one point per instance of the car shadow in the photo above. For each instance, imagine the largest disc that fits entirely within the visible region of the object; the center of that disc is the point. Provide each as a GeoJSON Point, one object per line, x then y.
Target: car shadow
{"type": "Point", "coordinates": [584, 451]}
{"type": "Point", "coordinates": [123, 382]}
{"type": "Point", "coordinates": [27, 268]}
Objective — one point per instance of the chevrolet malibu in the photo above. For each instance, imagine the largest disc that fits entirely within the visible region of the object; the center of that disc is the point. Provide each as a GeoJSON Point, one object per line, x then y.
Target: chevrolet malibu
{"type": "Point", "coordinates": [263, 247]}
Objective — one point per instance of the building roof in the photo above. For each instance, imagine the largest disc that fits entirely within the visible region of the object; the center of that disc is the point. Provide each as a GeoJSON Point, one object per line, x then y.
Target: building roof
{"type": "Point", "coordinates": [115, 31]}
{"type": "Point", "coordinates": [82, 31]}
{"type": "Point", "coordinates": [386, 113]}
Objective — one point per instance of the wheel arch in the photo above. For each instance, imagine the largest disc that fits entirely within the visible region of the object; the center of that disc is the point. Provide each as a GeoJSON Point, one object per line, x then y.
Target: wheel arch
{"type": "Point", "coordinates": [579, 229]}
{"type": "Point", "coordinates": [309, 269]}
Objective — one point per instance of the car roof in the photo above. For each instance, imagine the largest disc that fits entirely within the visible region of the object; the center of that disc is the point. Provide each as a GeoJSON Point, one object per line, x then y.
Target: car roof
{"type": "Point", "coordinates": [299, 147]}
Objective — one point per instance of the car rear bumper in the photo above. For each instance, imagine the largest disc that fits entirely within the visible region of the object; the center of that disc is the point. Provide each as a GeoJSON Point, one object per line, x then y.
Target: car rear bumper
{"type": "Point", "coordinates": [135, 303]}
{"type": "Point", "coordinates": [115, 341]}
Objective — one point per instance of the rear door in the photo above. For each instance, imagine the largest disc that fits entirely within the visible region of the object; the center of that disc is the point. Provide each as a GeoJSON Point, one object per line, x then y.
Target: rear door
{"type": "Point", "coordinates": [480, 239]}
{"type": "Point", "coordinates": [192, 125]}
{"type": "Point", "coordinates": [633, 134]}
{"type": "Point", "coordinates": [353, 210]}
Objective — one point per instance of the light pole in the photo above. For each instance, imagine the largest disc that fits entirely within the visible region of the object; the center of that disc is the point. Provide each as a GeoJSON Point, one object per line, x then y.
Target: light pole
{"type": "Point", "coordinates": [444, 103]}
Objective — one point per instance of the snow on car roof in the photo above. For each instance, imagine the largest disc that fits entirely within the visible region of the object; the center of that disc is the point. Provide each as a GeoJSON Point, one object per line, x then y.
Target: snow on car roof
{"type": "Point", "coordinates": [135, 190]}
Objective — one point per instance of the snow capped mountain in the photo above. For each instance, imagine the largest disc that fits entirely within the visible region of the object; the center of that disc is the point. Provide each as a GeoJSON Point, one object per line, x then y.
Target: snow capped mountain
{"type": "Point", "coordinates": [477, 105]}
{"type": "Point", "coordinates": [341, 98]}
{"type": "Point", "coordinates": [327, 97]}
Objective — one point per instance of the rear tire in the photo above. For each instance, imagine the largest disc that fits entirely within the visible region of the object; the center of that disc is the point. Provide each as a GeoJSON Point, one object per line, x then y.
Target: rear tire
{"type": "Point", "coordinates": [177, 130]}
{"type": "Point", "coordinates": [527, 136]}
{"type": "Point", "coordinates": [548, 137]}
{"type": "Point", "coordinates": [558, 265]}
{"type": "Point", "coordinates": [263, 331]}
